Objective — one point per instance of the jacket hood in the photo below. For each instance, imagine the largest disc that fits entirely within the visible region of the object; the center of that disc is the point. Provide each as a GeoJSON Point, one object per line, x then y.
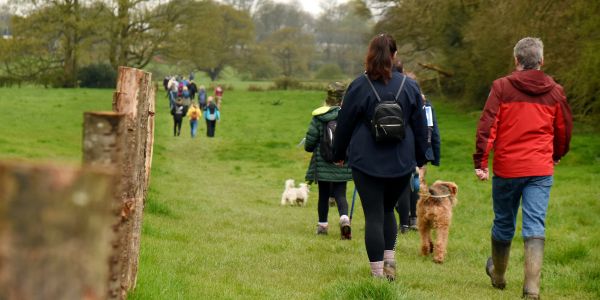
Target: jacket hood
{"type": "Point", "coordinates": [326, 113]}
{"type": "Point", "coordinates": [531, 82]}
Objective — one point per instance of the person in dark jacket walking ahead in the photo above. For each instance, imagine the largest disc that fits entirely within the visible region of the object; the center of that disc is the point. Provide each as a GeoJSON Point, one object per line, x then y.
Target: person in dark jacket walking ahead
{"type": "Point", "coordinates": [527, 122]}
{"type": "Point", "coordinates": [407, 203]}
{"type": "Point", "coordinates": [380, 169]}
{"type": "Point", "coordinates": [330, 178]}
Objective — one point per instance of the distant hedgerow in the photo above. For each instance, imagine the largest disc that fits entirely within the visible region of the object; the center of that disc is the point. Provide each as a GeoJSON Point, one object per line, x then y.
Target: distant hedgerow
{"type": "Point", "coordinates": [97, 76]}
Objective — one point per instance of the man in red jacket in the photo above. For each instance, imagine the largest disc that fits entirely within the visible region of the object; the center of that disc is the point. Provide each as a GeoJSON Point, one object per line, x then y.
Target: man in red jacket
{"type": "Point", "coordinates": [527, 122]}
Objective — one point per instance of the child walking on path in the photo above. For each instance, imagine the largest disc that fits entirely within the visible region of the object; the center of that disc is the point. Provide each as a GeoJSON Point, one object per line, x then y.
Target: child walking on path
{"type": "Point", "coordinates": [211, 115]}
{"type": "Point", "coordinates": [330, 178]}
{"type": "Point", "coordinates": [194, 114]}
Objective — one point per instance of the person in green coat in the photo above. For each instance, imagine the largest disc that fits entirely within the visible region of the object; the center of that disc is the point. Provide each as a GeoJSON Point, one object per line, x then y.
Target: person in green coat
{"type": "Point", "coordinates": [330, 178]}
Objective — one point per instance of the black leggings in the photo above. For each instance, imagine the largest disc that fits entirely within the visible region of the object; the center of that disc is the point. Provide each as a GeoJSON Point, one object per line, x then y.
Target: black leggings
{"type": "Point", "coordinates": [210, 128]}
{"type": "Point", "coordinates": [378, 197]}
{"type": "Point", "coordinates": [336, 190]}
{"type": "Point", "coordinates": [407, 205]}
{"type": "Point", "coordinates": [177, 127]}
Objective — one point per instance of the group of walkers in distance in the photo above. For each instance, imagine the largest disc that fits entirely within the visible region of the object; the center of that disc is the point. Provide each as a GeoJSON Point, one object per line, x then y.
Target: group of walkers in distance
{"type": "Point", "coordinates": [526, 121]}
{"type": "Point", "coordinates": [181, 93]}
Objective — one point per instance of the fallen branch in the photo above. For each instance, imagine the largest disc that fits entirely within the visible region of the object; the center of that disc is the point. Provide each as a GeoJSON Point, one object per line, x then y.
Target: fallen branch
{"type": "Point", "coordinates": [437, 69]}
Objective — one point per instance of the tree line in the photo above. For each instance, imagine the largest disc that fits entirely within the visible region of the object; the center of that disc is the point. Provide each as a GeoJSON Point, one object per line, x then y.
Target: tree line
{"type": "Point", "coordinates": [52, 41]}
{"type": "Point", "coordinates": [456, 47]}
{"type": "Point", "coordinates": [461, 46]}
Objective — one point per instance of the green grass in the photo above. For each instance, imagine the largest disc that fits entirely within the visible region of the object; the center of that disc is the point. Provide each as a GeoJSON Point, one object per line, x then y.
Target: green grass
{"type": "Point", "coordinates": [213, 227]}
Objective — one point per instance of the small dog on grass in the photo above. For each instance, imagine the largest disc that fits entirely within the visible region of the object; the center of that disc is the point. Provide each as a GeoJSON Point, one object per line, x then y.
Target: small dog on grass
{"type": "Point", "coordinates": [434, 211]}
{"type": "Point", "coordinates": [293, 195]}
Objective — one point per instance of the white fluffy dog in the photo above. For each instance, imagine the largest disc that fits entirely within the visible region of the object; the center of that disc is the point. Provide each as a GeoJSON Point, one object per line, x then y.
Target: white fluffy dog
{"type": "Point", "coordinates": [294, 195]}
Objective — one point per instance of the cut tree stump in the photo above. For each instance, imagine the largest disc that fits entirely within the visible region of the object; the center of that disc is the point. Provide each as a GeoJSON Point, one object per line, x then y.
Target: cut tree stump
{"type": "Point", "coordinates": [55, 231]}
{"type": "Point", "coordinates": [103, 144]}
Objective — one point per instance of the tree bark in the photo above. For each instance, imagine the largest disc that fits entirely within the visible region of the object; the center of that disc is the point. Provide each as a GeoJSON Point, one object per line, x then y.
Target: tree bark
{"type": "Point", "coordinates": [55, 231]}
{"type": "Point", "coordinates": [150, 137]}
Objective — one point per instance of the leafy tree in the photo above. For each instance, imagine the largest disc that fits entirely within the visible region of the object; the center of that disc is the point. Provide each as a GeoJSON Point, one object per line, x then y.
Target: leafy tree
{"type": "Point", "coordinates": [329, 71]}
{"type": "Point", "coordinates": [242, 5]}
{"type": "Point", "coordinates": [26, 59]}
{"type": "Point", "coordinates": [342, 32]}
{"type": "Point", "coordinates": [292, 49]}
{"type": "Point", "coordinates": [47, 42]}
{"type": "Point", "coordinates": [139, 30]}
{"type": "Point", "coordinates": [474, 40]}
{"type": "Point", "coordinates": [270, 16]}
{"type": "Point", "coordinates": [210, 36]}
{"type": "Point", "coordinates": [259, 63]}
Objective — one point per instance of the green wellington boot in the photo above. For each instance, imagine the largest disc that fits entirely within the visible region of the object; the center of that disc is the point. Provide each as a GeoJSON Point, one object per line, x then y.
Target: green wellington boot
{"type": "Point", "coordinates": [534, 256]}
{"type": "Point", "coordinates": [497, 264]}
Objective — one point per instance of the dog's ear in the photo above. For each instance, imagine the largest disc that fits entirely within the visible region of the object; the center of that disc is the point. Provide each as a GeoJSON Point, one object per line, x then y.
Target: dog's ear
{"type": "Point", "coordinates": [452, 187]}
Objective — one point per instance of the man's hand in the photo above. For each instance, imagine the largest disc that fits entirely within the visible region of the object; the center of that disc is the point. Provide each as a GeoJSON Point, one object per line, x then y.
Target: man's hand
{"type": "Point", "coordinates": [556, 162]}
{"type": "Point", "coordinates": [482, 174]}
{"type": "Point", "coordinates": [339, 163]}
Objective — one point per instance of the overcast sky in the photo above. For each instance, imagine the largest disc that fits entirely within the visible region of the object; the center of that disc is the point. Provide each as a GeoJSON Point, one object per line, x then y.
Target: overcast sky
{"type": "Point", "coordinates": [311, 6]}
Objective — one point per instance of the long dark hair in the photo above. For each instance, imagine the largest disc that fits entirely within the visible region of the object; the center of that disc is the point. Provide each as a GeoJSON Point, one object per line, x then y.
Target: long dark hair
{"type": "Point", "coordinates": [378, 62]}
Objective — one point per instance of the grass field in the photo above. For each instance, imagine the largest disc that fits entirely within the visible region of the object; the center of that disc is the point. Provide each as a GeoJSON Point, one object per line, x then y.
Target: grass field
{"type": "Point", "coordinates": [213, 227]}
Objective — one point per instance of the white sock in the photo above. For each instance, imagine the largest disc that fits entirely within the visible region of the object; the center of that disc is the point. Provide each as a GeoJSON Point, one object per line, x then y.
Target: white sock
{"type": "Point", "coordinates": [323, 224]}
{"type": "Point", "coordinates": [344, 217]}
{"type": "Point", "coordinates": [376, 268]}
{"type": "Point", "coordinates": [389, 255]}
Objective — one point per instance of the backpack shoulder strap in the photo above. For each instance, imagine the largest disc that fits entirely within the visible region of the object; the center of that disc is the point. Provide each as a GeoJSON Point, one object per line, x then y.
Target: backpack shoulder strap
{"type": "Point", "coordinates": [400, 89]}
{"type": "Point", "coordinates": [372, 87]}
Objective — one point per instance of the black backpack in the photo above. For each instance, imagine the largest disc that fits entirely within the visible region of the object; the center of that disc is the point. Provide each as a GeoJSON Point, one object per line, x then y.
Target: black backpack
{"type": "Point", "coordinates": [387, 123]}
{"type": "Point", "coordinates": [326, 144]}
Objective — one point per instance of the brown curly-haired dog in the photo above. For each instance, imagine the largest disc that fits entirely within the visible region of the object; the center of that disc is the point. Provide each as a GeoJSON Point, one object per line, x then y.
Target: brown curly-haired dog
{"type": "Point", "coordinates": [434, 211]}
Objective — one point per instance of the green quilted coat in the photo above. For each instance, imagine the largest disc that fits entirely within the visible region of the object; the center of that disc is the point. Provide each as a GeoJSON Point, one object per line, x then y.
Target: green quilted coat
{"type": "Point", "coordinates": [324, 171]}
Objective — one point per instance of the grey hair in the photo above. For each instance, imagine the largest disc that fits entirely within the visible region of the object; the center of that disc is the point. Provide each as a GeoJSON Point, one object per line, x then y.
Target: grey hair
{"type": "Point", "coordinates": [529, 52]}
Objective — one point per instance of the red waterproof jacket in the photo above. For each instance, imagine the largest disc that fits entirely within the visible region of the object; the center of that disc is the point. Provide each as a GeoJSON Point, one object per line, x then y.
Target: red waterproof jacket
{"type": "Point", "coordinates": [528, 122]}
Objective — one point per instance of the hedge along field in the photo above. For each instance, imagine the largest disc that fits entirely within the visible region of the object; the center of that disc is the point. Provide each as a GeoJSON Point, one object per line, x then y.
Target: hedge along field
{"type": "Point", "coordinates": [213, 227]}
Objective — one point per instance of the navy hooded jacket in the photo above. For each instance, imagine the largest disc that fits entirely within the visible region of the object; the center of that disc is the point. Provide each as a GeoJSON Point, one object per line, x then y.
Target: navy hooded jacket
{"type": "Point", "coordinates": [353, 138]}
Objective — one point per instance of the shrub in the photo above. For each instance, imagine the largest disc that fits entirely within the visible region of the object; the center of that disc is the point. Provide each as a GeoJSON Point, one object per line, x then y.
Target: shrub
{"type": "Point", "coordinates": [329, 71]}
{"type": "Point", "coordinates": [314, 86]}
{"type": "Point", "coordinates": [255, 88]}
{"type": "Point", "coordinates": [97, 76]}
{"type": "Point", "coordinates": [226, 87]}
{"type": "Point", "coordinates": [284, 83]}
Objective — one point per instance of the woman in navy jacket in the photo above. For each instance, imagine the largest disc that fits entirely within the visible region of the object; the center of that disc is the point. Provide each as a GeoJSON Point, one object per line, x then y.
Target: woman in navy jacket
{"type": "Point", "coordinates": [380, 169]}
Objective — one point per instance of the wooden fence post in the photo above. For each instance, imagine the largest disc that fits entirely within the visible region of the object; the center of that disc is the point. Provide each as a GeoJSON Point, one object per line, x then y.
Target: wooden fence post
{"type": "Point", "coordinates": [150, 138]}
{"type": "Point", "coordinates": [134, 97]}
{"type": "Point", "coordinates": [55, 231]}
{"type": "Point", "coordinates": [103, 138]}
